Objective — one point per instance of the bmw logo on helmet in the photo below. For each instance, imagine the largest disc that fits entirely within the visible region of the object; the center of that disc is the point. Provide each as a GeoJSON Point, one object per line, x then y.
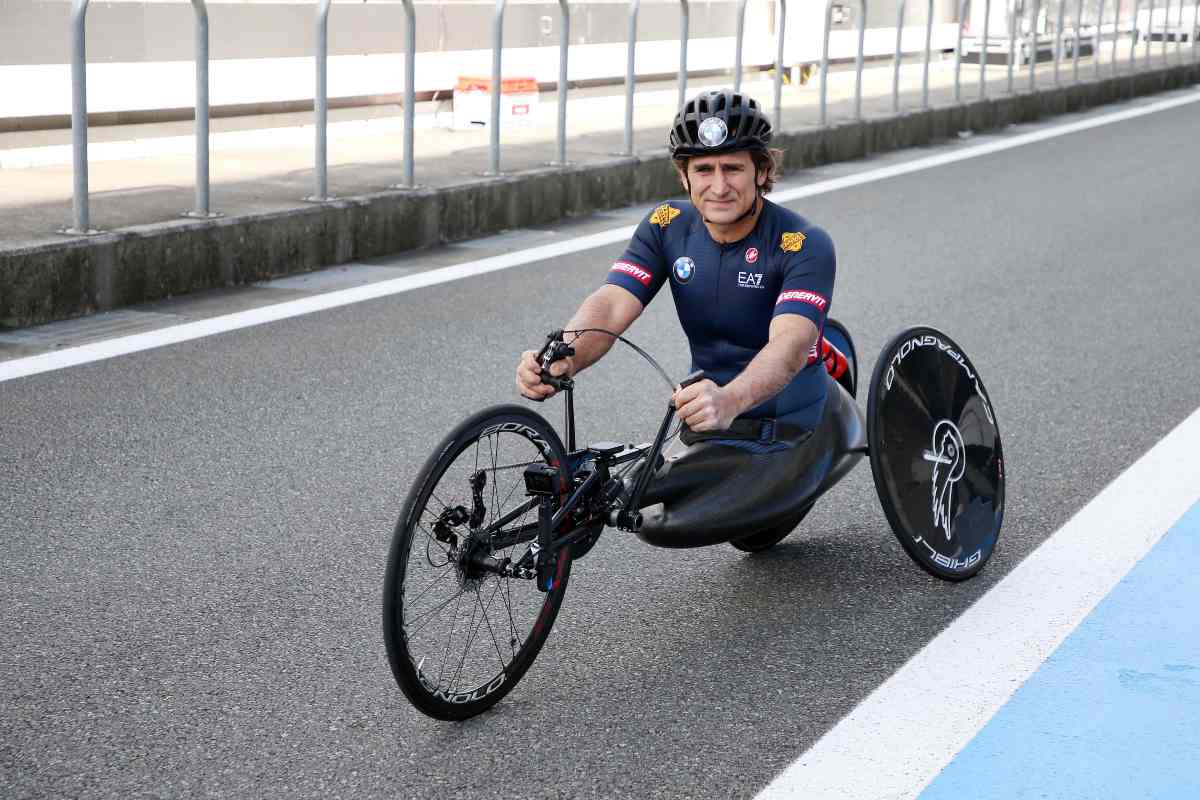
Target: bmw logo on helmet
{"type": "Point", "coordinates": [684, 269]}
{"type": "Point", "coordinates": [713, 132]}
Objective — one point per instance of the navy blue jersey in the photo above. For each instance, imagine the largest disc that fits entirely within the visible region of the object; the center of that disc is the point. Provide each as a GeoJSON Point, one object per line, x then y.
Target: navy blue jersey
{"type": "Point", "coordinates": [727, 294]}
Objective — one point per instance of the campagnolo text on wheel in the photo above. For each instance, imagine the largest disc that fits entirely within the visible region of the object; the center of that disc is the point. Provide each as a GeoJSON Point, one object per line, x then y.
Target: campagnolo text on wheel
{"type": "Point", "coordinates": [764, 425]}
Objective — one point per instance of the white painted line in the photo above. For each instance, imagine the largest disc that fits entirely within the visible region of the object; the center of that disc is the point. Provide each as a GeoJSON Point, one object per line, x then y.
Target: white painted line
{"type": "Point", "coordinates": [33, 365]}
{"type": "Point", "coordinates": [904, 733]}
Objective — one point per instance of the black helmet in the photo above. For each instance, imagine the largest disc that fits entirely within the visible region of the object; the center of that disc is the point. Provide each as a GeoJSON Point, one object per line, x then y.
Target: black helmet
{"type": "Point", "coordinates": [740, 125]}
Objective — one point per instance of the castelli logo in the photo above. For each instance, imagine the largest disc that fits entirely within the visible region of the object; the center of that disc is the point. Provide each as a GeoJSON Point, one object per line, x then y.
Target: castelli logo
{"type": "Point", "coordinates": [751, 255]}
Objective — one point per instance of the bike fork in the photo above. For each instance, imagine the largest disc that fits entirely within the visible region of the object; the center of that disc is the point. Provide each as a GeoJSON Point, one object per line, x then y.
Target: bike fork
{"type": "Point", "coordinates": [544, 559]}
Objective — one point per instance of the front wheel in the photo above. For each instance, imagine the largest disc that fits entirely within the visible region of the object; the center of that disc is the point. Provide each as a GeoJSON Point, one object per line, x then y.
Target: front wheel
{"type": "Point", "coordinates": [460, 632]}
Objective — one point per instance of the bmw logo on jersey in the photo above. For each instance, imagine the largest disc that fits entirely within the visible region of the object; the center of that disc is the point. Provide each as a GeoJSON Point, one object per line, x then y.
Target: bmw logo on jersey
{"type": "Point", "coordinates": [684, 269]}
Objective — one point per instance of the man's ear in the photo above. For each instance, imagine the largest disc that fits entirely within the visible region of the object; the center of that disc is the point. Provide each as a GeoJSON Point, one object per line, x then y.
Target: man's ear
{"type": "Point", "coordinates": [683, 178]}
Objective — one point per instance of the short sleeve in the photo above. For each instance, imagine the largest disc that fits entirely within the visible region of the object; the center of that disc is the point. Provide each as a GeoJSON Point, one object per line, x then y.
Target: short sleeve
{"type": "Point", "coordinates": [808, 267]}
{"type": "Point", "coordinates": [642, 268]}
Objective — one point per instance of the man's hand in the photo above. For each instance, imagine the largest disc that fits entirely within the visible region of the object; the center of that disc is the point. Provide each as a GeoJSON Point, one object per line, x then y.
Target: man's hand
{"type": "Point", "coordinates": [529, 375]}
{"type": "Point", "coordinates": [704, 406]}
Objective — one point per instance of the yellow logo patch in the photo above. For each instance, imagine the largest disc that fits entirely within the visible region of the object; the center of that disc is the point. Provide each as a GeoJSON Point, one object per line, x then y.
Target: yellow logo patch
{"type": "Point", "coordinates": [792, 242]}
{"type": "Point", "coordinates": [663, 215]}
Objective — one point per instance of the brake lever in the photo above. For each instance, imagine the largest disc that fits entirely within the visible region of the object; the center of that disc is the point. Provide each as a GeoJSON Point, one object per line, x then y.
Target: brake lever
{"type": "Point", "coordinates": [555, 349]}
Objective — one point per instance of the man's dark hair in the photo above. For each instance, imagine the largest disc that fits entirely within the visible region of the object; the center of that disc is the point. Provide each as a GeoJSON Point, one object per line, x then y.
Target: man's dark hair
{"type": "Point", "coordinates": [767, 161]}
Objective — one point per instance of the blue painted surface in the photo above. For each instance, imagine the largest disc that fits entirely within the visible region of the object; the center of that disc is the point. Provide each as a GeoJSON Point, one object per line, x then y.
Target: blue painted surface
{"type": "Point", "coordinates": [1115, 711]}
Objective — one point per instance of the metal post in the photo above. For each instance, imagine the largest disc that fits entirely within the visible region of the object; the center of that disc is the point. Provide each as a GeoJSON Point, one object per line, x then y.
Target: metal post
{"type": "Point", "coordinates": [1033, 54]}
{"type": "Point", "coordinates": [684, 13]}
{"type": "Point", "coordinates": [497, 46]}
{"type": "Point", "coordinates": [858, 62]}
{"type": "Point", "coordinates": [1058, 37]}
{"type": "Point", "coordinates": [928, 46]}
{"type": "Point", "coordinates": [983, 56]}
{"type": "Point", "coordinates": [1096, 44]}
{"type": "Point", "coordinates": [1078, 39]}
{"type": "Point", "coordinates": [962, 15]}
{"type": "Point", "coordinates": [1137, 5]}
{"type": "Point", "coordinates": [564, 39]}
{"type": "Point", "coordinates": [79, 121]}
{"type": "Point", "coordinates": [410, 92]}
{"type": "Point", "coordinates": [321, 106]}
{"type": "Point", "coordinates": [201, 211]}
{"type": "Point", "coordinates": [737, 57]}
{"type": "Point", "coordinates": [782, 23]}
{"type": "Point", "coordinates": [1166, 25]}
{"type": "Point", "coordinates": [899, 55]}
{"type": "Point", "coordinates": [633, 14]}
{"type": "Point", "coordinates": [1116, 33]}
{"type": "Point", "coordinates": [825, 59]}
{"type": "Point", "coordinates": [1012, 42]}
{"type": "Point", "coordinates": [1178, 34]}
{"type": "Point", "coordinates": [1149, 33]}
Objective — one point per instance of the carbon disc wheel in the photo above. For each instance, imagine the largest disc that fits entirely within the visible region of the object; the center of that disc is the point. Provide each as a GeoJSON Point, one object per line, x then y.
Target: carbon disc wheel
{"type": "Point", "coordinates": [460, 634]}
{"type": "Point", "coordinates": [935, 453]}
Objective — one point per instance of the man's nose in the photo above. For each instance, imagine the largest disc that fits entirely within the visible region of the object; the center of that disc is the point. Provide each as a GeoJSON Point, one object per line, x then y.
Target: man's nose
{"type": "Point", "coordinates": [719, 184]}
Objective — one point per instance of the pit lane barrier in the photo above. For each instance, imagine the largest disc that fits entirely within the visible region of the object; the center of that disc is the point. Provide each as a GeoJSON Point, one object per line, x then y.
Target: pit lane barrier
{"type": "Point", "coordinates": [91, 271]}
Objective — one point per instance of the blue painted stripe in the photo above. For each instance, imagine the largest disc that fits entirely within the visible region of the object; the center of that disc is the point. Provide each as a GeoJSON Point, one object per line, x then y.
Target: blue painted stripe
{"type": "Point", "coordinates": [1115, 711]}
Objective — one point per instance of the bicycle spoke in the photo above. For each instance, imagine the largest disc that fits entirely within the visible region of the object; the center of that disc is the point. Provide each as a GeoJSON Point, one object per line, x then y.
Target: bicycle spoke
{"type": "Point", "coordinates": [448, 571]}
{"type": "Point", "coordinates": [429, 615]}
{"type": "Point", "coordinates": [449, 639]}
{"type": "Point", "coordinates": [472, 627]}
{"type": "Point", "coordinates": [510, 492]}
{"type": "Point", "coordinates": [512, 624]}
{"type": "Point", "coordinates": [491, 631]}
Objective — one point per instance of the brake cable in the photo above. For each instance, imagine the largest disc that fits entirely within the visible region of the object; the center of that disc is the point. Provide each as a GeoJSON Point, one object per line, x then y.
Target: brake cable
{"type": "Point", "coordinates": [672, 384]}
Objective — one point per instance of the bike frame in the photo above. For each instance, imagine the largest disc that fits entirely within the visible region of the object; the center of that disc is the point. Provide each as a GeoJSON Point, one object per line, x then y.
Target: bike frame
{"type": "Point", "coordinates": [588, 475]}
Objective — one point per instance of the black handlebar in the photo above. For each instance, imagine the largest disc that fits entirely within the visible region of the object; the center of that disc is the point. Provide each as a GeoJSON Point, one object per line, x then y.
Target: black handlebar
{"type": "Point", "coordinates": [555, 349]}
{"type": "Point", "coordinates": [695, 377]}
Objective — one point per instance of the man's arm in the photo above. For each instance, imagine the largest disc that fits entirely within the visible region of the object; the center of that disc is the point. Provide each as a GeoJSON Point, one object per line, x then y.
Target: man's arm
{"type": "Point", "coordinates": [609, 307]}
{"type": "Point", "coordinates": [704, 406]}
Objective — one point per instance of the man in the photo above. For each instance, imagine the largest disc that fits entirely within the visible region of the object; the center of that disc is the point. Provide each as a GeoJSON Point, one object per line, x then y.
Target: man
{"type": "Point", "coordinates": [752, 282]}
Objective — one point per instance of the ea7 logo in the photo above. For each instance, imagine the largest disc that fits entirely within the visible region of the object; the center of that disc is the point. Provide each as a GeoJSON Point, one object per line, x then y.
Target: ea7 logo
{"type": "Point", "coordinates": [750, 280]}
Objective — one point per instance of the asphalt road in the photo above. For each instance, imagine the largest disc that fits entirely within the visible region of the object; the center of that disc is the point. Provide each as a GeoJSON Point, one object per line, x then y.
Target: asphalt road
{"type": "Point", "coordinates": [193, 538]}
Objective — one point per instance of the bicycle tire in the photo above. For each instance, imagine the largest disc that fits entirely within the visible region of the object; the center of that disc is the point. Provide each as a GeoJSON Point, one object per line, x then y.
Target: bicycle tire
{"type": "Point", "coordinates": [401, 602]}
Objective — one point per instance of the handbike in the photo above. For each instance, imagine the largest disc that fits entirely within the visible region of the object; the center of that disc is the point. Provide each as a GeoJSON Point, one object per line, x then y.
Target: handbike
{"type": "Point", "coordinates": [482, 552]}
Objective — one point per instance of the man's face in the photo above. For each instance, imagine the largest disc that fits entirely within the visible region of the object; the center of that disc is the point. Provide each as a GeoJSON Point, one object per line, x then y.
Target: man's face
{"type": "Point", "coordinates": [723, 187]}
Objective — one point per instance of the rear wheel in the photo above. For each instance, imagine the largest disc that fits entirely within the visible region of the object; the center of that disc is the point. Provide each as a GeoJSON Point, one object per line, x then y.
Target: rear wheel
{"type": "Point", "coordinates": [459, 633]}
{"type": "Point", "coordinates": [935, 453]}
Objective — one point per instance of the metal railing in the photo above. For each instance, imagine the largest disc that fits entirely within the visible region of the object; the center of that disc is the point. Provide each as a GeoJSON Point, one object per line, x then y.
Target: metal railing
{"type": "Point", "coordinates": [1031, 40]}
{"type": "Point", "coordinates": [79, 125]}
{"type": "Point", "coordinates": [858, 63]}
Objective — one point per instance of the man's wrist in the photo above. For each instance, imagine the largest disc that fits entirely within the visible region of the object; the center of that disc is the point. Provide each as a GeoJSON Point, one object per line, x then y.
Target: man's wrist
{"type": "Point", "coordinates": [738, 400]}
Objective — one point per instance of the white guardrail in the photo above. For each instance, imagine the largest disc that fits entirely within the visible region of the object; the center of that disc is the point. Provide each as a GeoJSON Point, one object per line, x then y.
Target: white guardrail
{"type": "Point", "coordinates": [799, 37]}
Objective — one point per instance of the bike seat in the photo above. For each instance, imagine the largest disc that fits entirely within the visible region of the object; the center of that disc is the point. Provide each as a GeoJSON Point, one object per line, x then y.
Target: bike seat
{"type": "Point", "coordinates": [708, 492]}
